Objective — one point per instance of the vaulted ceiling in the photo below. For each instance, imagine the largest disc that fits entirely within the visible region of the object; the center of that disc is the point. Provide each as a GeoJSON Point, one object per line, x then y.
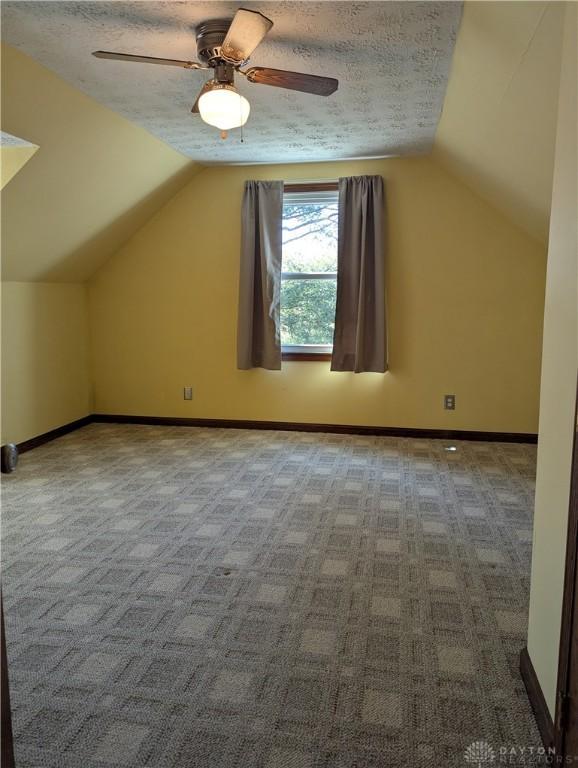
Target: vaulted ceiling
{"type": "Point", "coordinates": [97, 176]}
{"type": "Point", "coordinates": [391, 58]}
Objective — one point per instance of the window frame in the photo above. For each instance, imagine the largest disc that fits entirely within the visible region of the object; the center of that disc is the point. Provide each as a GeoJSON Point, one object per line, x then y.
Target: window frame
{"type": "Point", "coordinates": [309, 352]}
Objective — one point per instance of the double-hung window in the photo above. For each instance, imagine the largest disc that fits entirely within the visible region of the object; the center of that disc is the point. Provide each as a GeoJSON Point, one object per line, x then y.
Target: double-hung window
{"type": "Point", "coordinates": [309, 270]}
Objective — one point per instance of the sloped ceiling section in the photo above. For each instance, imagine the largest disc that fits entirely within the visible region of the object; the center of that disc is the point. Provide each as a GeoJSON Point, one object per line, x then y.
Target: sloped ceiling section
{"type": "Point", "coordinates": [498, 125]}
{"type": "Point", "coordinates": [94, 181]}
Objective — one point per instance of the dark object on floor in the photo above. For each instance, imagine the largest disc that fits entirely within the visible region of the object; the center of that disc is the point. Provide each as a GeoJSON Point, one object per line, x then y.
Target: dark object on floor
{"type": "Point", "coordinates": [9, 457]}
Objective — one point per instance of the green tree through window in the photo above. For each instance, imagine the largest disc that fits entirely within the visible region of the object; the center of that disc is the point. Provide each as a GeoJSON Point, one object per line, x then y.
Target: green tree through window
{"type": "Point", "coordinates": [309, 277]}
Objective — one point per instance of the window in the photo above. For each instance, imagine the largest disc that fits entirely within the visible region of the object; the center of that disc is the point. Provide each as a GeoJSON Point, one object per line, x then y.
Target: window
{"type": "Point", "coordinates": [309, 270]}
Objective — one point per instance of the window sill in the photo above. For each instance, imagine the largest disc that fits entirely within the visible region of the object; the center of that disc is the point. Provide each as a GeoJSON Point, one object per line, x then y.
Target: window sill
{"type": "Point", "coordinates": [311, 357]}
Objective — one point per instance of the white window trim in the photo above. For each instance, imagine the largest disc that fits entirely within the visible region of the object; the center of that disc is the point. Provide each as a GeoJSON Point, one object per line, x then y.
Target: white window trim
{"type": "Point", "coordinates": [310, 349]}
{"type": "Point", "coordinates": [316, 197]}
{"type": "Point", "coordinates": [309, 197]}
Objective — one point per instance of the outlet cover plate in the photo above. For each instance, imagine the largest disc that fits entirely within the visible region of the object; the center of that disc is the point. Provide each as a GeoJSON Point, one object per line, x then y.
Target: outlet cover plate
{"type": "Point", "coordinates": [450, 402]}
{"type": "Point", "coordinates": [187, 393]}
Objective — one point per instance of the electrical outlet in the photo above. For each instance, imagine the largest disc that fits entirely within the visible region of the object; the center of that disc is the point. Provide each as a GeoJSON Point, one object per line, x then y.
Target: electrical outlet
{"type": "Point", "coordinates": [188, 393]}
{"type": "Point", "coordinates": [450, 402]}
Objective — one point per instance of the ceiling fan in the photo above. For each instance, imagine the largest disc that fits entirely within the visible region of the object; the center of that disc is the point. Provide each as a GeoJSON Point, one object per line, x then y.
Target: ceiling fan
{"type": "Point", "coordinates": [225, 46]}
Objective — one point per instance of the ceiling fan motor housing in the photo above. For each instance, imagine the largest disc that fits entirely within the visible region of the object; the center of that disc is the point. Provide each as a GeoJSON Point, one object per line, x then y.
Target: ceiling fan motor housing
{"type": "Point", "coordinates": [210, 36]}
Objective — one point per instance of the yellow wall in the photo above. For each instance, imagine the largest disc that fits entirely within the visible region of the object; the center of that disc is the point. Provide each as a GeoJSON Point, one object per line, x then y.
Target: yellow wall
{"type": "Point", "coordinates": [465, 313]}
{"type": "Point", "coordinates": [45, 381]}
{"type": "Point", "coordinates": [95, 179]}
{"type": "Point", "coordinates": [498, 126]}
{"type": "Point", "coordinates": [558, 395]}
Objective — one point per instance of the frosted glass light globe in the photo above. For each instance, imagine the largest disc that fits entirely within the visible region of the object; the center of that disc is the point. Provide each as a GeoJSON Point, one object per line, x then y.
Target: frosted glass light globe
{"type": "Point", "coordinates": [223, 107]}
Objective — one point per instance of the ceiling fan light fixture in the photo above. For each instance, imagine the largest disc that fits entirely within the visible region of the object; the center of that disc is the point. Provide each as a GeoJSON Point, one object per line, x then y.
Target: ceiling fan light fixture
{"type": "Point", "coordinates": [222, 106]}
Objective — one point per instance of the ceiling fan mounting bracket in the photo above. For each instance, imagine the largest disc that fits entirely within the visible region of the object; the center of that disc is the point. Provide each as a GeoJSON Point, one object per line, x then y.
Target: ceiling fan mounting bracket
{"type": "Point", "coordinates": [210, 36]}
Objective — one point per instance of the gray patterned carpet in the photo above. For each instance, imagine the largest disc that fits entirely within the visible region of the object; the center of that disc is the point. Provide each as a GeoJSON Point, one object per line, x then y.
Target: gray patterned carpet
{"type": "Point", "coordinates": [205, 598]}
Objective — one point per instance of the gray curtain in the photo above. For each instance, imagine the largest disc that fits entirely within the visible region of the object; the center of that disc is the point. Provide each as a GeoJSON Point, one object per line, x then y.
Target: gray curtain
{"type": "Point", "coordinates": [360, 339]}
{"type": "Point", "coordinates": [258, 334]}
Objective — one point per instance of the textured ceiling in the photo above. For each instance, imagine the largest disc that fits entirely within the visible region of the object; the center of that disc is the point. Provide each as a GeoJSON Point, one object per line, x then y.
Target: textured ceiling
{"type": "Point", "coordinates": [391, 58]}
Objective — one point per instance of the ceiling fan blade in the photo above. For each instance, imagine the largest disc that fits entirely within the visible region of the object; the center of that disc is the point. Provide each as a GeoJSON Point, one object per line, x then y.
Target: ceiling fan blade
{"type": "Point", "coordinates": [206, 87]}
{"type": "Point", "coordinates": [294, 81]}
{"type": "Point", "coordinates": [147, 60]}
{"type": "Point", "coordinates": [247, 30]}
